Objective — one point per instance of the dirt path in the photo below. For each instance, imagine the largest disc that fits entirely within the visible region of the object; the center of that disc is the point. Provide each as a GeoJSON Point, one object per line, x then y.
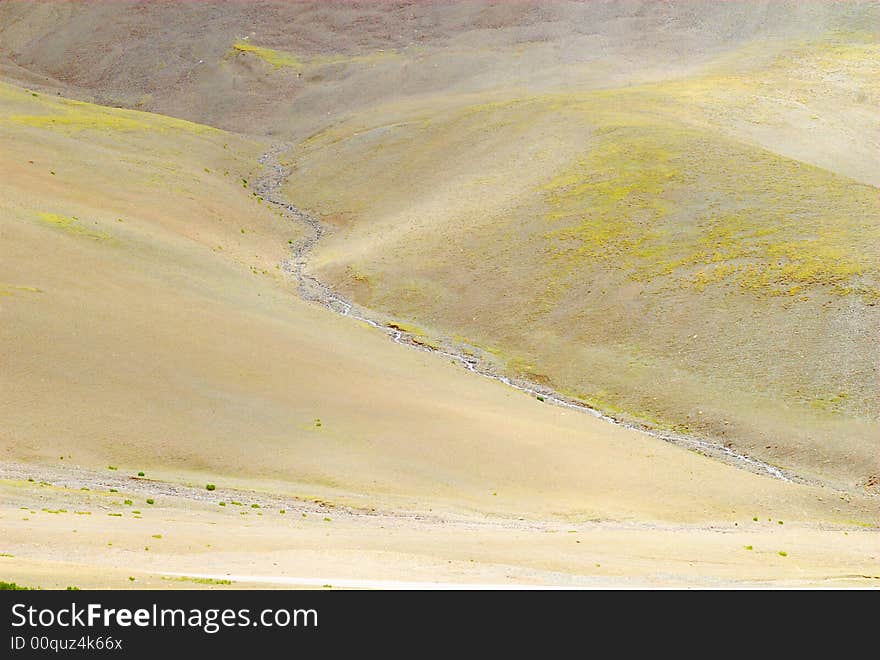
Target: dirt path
{"type": "Point", "coordinates": [312, 290]}
{"type": "Point", "coordinates": [77, 478]}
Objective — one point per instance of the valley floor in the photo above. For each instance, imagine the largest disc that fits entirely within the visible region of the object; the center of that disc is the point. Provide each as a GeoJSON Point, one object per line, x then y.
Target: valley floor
{"type": "Point", "coordinates": [76, 527]}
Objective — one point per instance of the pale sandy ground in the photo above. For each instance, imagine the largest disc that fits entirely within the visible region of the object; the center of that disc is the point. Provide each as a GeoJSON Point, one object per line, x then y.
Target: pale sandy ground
{"type": "Point", "coordinates": [353, 549]}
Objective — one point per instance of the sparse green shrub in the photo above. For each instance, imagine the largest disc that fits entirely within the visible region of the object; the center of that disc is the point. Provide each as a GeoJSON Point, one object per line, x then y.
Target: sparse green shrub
{"type": "Point", "coordinates": [151, 501]}
{"type": "Point", "coordinates": [140, 474]}
{"type": "Point", "coordinates": [210, 487]}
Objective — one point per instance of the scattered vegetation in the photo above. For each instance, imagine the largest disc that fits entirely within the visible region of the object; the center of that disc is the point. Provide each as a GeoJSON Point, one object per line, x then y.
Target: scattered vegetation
{"type": "Point", "coordinates": [276, 58]}
{"type": "Point", "coordinates": [198, 580]}
{"type": "Point", "coordinates": [72, 225]}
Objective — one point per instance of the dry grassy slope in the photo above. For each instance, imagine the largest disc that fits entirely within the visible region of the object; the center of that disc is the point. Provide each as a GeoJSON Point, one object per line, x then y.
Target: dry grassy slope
{"type": "Point", "coordinates": [140, 344]}
{"type": "Point", "coordinates": [458, 148]}
{"type": "Point", "coordinates": [677, 252]}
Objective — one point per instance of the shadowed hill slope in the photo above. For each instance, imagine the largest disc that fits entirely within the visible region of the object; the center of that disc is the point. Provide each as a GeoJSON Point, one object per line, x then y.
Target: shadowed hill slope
{"type": "Point", "coordinates": [286, 67]}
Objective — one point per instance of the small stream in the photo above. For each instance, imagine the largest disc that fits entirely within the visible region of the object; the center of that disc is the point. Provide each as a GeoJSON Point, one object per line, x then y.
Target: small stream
{"type": "Point", "coordinates": [312, 290]}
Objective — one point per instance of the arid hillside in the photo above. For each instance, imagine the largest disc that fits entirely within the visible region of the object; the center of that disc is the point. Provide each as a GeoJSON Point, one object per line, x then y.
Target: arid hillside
{"type": "Point", "coordinates": [666, 211]}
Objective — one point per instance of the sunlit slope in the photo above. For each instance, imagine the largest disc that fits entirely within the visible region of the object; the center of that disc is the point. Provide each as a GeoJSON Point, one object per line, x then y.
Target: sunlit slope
{"type": "Point", "coordinates": [657, 251]}
{"type": "Point", "coordinates": [131, 339]}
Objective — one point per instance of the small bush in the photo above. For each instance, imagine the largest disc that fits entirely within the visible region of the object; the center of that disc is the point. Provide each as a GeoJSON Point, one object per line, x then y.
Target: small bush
{"type": "Point", "coordinates": [255, 506]}
{"type": "Point", "coordinates": [72, 589]}
{"type": "Point", "coordinates": [151, 501]}
{"type": "Point", "coordinates": [112, 467]}
{"type": "Point", "coordinates": [783, 553]}
{"type": "Point", "coordinates": [210, 487]}
{"type": "Point", "coordinates": [128, 502]}
{"type": "Point", "coordinates": [140, 474]}
{"type": "Point", "coordinates": [222, 503]}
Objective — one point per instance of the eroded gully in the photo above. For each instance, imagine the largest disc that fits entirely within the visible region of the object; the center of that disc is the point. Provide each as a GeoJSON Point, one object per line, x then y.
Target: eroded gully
{"type": "Point", "coordinates": [268, 186]}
